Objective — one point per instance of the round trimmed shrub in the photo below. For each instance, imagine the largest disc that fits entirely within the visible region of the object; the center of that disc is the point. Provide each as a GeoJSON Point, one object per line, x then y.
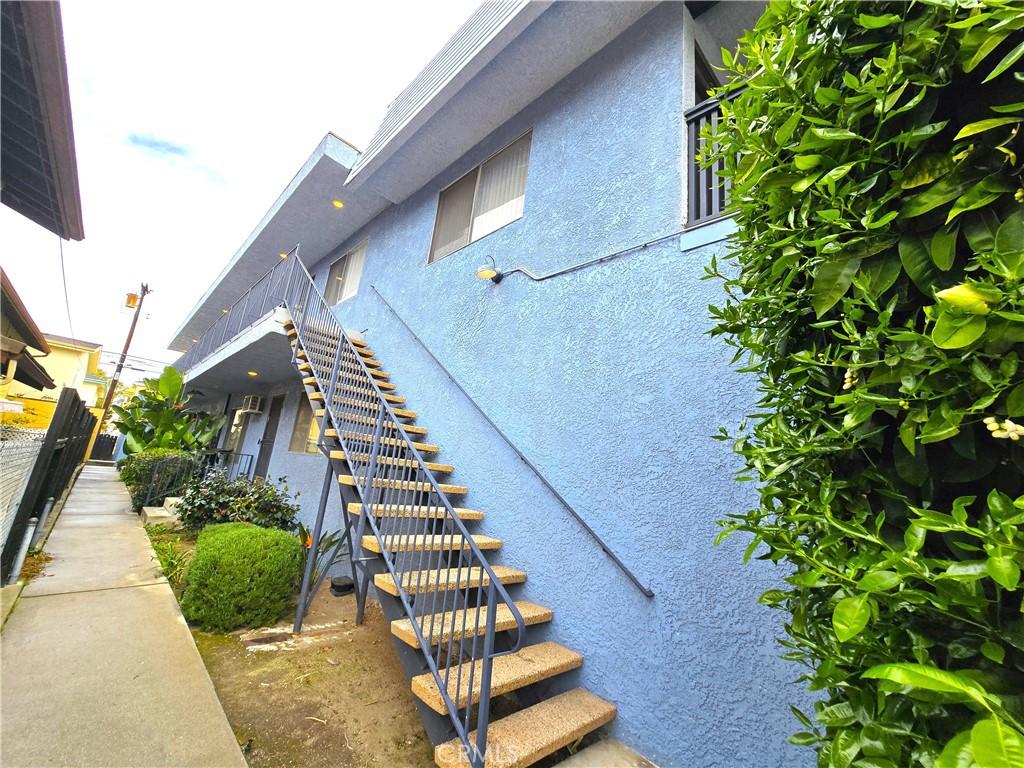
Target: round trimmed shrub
{"type": "Point", "coordinates": [241, 575]}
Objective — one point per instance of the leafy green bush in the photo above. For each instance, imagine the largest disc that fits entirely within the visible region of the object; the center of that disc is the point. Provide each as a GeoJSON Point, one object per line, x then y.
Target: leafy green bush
{"type": "Point", "coordinates": [876, 290]}
{"type": "Point", "coordinates": [241, 575]}
{"type": "Point", "coordinates": [137, 472]}
{"type": "Point", "coordinates": [155, 417]}
{"type": "Point", "coordinates": [218, 499]}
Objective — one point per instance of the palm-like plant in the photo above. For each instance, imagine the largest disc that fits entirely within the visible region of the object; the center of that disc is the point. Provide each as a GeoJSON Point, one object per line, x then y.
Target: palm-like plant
{"type": "Point", "coordinates": [156, 417]}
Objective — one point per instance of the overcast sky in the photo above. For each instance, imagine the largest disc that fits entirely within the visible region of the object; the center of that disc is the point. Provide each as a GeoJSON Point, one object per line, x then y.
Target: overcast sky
{"type": "Point", "coordinates": [190, 119]}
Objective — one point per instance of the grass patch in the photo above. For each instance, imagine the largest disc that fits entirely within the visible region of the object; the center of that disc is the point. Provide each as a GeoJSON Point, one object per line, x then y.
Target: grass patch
{"type": "Point", "coordinates": [173, 550]}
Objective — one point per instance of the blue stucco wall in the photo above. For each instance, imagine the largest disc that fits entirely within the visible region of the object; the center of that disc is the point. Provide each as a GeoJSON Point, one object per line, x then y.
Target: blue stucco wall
{"type": "Point", "coordinates": [605, 378]}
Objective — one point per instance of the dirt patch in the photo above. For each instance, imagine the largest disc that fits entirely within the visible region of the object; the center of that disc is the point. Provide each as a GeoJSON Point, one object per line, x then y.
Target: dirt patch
{"type": "Point", "coordinates": [333, 697]}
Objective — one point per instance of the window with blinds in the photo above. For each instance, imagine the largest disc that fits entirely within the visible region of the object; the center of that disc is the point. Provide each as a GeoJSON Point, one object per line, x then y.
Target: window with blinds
{"type": "Point", "coordinates": [343, 278]}
{"type": "Point", "coordinates": [485, 199]}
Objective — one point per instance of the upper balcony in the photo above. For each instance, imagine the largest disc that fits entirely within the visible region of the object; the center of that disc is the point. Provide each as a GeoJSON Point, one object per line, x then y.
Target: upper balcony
{"type": "Point", "coordinates": [707, 191]}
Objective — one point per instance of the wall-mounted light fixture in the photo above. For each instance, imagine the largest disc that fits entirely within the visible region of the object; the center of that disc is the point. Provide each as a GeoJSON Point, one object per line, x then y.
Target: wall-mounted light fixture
{"type": "Point", "coordinates": [337, 203]}
{"type": "Point", "coordinates": [283, 255]}
{"type": "Point", "coordinates": [489, 272]}
{"type": "Point", "coordinates": [254, 374]}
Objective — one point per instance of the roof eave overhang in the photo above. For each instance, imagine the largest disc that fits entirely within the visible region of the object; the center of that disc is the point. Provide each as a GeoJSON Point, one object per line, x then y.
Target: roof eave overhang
{"type": "Point", "coordinates": [16, 313]}
{"type": "Point", "coordinates": [48, 65]}
{"type": "Point", "coordinates": [303, 214]}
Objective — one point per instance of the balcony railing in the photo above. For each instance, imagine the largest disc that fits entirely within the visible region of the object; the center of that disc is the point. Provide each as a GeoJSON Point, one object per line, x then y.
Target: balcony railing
{"type": "Point", "coordinates": [261, 297]}
{"type": "Point", "coordinates": [707, 189]}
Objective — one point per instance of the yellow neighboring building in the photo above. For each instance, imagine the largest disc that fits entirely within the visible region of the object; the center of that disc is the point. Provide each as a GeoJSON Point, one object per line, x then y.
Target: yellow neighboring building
{"type": "Point", "coordinates": [71, 363]}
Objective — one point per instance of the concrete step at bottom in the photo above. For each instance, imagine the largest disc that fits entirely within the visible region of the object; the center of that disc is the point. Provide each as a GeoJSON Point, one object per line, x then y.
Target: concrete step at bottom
{"type": "Point", "coordinates": [160, 516]}
{"type": "Point", "coordinates": [531, 734]}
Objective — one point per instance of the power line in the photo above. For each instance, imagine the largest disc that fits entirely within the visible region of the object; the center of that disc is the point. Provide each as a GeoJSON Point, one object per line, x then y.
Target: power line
{"type": "Point", "coordinates": [63, 274]}
{"type": "Point", "coordinates": [137, 358]}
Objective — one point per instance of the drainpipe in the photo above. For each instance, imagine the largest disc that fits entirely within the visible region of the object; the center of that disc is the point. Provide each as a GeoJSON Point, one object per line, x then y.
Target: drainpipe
{"type": "Point", "coordinates": [23, 551]}
{"type": "Point", "coordinates": [47, 507]}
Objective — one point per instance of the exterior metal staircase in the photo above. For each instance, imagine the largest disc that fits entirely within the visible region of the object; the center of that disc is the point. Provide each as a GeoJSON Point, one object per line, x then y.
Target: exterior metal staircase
{"type": "Point", "coordinates": [462, 638]}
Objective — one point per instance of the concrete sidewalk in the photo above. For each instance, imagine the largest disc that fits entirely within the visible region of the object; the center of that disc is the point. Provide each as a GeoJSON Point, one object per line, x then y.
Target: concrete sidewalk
{"type": "Point", "coordinates": [98, 666]}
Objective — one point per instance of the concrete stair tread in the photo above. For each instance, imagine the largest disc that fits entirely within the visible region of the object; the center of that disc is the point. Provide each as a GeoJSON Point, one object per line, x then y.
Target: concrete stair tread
{"type": "Point", "coordinates": [393, 461]}
{"type": "Point", "coordinates": [445, 579]}
{"type": "Point", "coordinates": [363, 405]}
{"type": "Point", "coordinates": [367, 438]}
{"type": "Point", "coordinates": [289, 324]}
{"type": "Point", "coordinates": [172, 502]}
{"type": "Point", "coordinates": [428, 542]}
{"type": "Point", "coordinates": [398, 412]}
{"type": "Point", "coordinates": [371, 421]}
{"type": "Point", "coordinates": [454, 625]}
{"type": "Point", "coordinates": [415, 510]}
{"type": "Point", "coordinates": [529, 735]}
{"type": "Point", "coordinates": [404, 485]}
{"type": "Point", "coordinates": [310, 381]}
{"type": "Point", "coordinates": [326, 356]}
{"type": "Point", "coordinates": [526, 666]}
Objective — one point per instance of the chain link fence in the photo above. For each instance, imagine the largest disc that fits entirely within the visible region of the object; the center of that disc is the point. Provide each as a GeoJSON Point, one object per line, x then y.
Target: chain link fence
{"type": "Point", "coordinates": [19, 448]}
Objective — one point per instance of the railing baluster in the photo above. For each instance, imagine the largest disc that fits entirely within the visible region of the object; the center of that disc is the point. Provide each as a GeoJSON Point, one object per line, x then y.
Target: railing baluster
{"type": "Point", "coordinates": [390, 471]}
{"type": "Point", "coordinates": [707, 190]}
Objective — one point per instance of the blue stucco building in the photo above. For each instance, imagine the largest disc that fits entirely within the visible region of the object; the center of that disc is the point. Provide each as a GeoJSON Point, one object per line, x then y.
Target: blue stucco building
{"type": "Point", "coordinates": [555, 138]}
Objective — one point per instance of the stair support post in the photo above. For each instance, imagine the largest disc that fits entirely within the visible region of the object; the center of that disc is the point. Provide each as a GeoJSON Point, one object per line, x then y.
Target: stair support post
{"type": "Point", "coordinates": [368, 500]}
{"type": "Point", "coordinates": [306, 595]}
{"type": "Point", "coordinates": [484, 709]}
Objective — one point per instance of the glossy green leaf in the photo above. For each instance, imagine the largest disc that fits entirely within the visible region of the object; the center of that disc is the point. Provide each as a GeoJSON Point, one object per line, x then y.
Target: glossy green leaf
{"type": "Point", "coordinates": [943, 247]}
{"type": "Point", "coordinates": [996, 745]}
{"type": "Point", "coordinates": [917, 262]}
{"type": "Point", "coordinates": [993, 651]}
{"type": "Point", "coordinates": [850, 616]}
{"type": "Point", "coordinates": [926, 169]}
{"type": "Point", "coordinates": [877, 22]}
{"type": "Point", "coordinates": [1015, 401]}
{"type": "Point", "coordinates": [1004, 571]}
{"type": "Point", "coordinates": [988, 44]}
{"type": "Point", "coordinates": [1007, 61]}
{"type": "Point", "coordinates": [834, 134]}
{"type": "Point", "coordinates": [879, 581]}
{"type": "Point", "coordinates": [929, 678]}
{"type": "Point", "coordinates": [957, 753]}
{"type": "Point", "coordinates": [1009, 238]}
{"type": "Point", "coordinates": [832, 280]}
{"type": "Point", "coordinates": [955, 331]}
{"type": "Point", "coordinates": [988, 124]}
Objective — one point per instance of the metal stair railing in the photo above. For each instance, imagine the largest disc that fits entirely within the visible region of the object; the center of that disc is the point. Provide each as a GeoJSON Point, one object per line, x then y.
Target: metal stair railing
{"type": "Point", "coordinates": [260, 298]}
{"type": "Point", "coordinates": [391, 475]}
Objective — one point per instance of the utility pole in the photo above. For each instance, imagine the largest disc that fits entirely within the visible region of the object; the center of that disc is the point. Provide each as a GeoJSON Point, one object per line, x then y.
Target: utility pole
{"type": "Point", "coordinates": [124, 352]}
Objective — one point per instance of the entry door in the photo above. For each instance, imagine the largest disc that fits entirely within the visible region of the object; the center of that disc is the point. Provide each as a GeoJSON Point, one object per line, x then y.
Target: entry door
{"type": "Point", "coordinates": [269, 433]}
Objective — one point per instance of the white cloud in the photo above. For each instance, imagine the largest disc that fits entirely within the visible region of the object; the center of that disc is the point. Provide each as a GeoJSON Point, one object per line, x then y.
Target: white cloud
{"type": "Point", "coordinates": [190, 119]}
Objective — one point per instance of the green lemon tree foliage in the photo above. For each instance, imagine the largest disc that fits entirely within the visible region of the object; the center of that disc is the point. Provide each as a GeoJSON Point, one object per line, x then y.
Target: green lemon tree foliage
{"type": "Point", "coordinates": [155, 417]}
{"type": "Point", "coordinates": [875, 154]}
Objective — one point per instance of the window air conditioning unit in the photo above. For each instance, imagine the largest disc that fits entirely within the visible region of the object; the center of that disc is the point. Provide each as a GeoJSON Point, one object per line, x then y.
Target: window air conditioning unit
{"type": "Point", "coordinates": [251, 404]}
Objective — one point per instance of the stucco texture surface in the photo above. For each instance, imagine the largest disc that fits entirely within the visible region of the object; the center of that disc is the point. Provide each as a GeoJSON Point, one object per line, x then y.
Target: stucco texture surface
{"type": "Point", "coordinates": [605, 378]}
